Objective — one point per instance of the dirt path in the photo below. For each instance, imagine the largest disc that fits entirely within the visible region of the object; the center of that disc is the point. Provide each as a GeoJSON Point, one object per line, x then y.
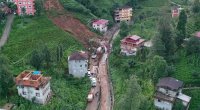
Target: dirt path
{"type": "Point", "coordinates": [68, 23]}
{"type": "Point", "coordinates": [6, 30]}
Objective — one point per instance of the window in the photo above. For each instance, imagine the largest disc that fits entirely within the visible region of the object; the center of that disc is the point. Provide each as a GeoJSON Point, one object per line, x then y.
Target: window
{"type": "Point", "coordinates": [29, 6]}
{"type": "Point", "coordinates": [85, 65]}
{"type": "Point", "coordinates": [80, 65]}
{"type": "Point", "coordinates": [37, 94]}
{"type": "Point", "coordinates": [159, 100]}
{"type": "Point", "coordinates": [20, 3]}
{"type": "Point", "coordinates": [36, 88]}
{"type": "Point", "coordinates": [24, 93]}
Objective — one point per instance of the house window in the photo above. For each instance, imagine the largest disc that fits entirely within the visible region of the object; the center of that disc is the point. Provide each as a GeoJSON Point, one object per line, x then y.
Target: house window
{"type": "Point", "coordinates": [24, 93]}
{"type": "Point", "coordinates": [20, 3]}
{"type": "Point", "coordinates": [159, 100]}
{"type": "Point", "coordinates": [85, 65]}
{"type": "Point", "coordinates": [37, 94]}
{"type": "Point", "coordinates": [37, 88]}
{"type": "Point", "coordinates": [80, 65]}
{"type": "Point", "coordinates": [29, 6]}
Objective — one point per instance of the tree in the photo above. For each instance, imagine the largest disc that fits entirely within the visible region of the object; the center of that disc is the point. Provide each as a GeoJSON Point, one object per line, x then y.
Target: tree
{"type": "Point", "coordinates": [12, 6]}
{"type": "Point", "coordinates": [6, 78]}
{"type": "Point", "coordinates": [167, 37]}
{"type": "Point", "coordinates": [124, 29]}
{"type": "Point", "coordinates": [38, 7]}
{"type": "Point", "coordinates": [156, 68]}
{"type": "Point", "coordinates": [193, 46]}
{"type": "Point", "coordinates": [23, 10]}
{"type": "Point", "coordinates": [178, 105]}
{"type": "Point", "coordinates": [196, 6]}
{"type": "Point", "coordinates": [132, 98]}
{"type": "Point", "coordinates": [181, 28]}
{"type": "Point", "coordinates": [134, 3]}
{"type": "Point", "coordinates": [36, 59]}
{"type": "Point", "coordinates": [158, 47]}
{"type": "Point", "coordinates": [46, 55]}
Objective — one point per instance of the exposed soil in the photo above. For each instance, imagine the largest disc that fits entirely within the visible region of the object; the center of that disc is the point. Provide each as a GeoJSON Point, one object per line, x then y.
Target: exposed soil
{"type": "Point", "coordinates": [68, 23]}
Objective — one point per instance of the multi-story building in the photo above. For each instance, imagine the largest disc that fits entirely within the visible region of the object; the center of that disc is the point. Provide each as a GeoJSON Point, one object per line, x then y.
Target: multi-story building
{"type": "Point", "coordinates": [78, 64]}
{"type": "Point", "coordinates": [169, 91]}
{"type": "Point", "coordinates": [32, 85]}
{"type": "Point", "coordinates": [130, 45]}
{"type": "Point", "coordinates": [27, 4]}
{"type": "Point", "coordinates": [123, 13]}
{"type": "Point", "coordinates": [101, 25]}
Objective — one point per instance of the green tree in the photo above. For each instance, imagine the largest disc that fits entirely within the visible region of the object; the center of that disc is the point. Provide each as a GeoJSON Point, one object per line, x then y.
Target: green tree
{"type": "Point", "coordinates": [46, 56]}
{"type": "Point", "coordinates": [196, 6]}
{"type": "Point", "coordinates": [6, 78]}
{"type": "Point", "coordinates": [134, 3]}
{"type": "Point", "coordinates": [124, 29]}
{"type": "Point", "coordinates": [181, 28]}
{"type": "Point", "coordinates": [193, 46]}
{"type": "Point", "coordinates": [36, 59]}
{"type": "Point", "coordinates": [156, 68]}
{"type": "Point", "coordinates": [23, 10]}
{"type": "Point", "coordinates": [132, 98]}
{"type": "Point", "coordinates": [167, 37]}
{"type": "Point", "coordinates": [12, 6]}
{"type": "Point", "coordinates": [178, 105]}
{"type": "Point", "coordinates": [38, 7]}
{"type": "Point", "coordinates": [158, 47]}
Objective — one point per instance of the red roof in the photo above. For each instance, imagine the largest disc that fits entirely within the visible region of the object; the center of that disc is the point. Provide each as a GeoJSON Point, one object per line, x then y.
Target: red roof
{"type": "Point", "coordinates": [197, 34]}
{"type": "Point", "coordinates": [79, 56]}
{"type": "Point", "coordinates": [100, 22]}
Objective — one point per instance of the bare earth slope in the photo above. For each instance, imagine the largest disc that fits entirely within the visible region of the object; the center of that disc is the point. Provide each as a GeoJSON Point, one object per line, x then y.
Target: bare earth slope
{"type": "Point", "coordinates": [68, 23]}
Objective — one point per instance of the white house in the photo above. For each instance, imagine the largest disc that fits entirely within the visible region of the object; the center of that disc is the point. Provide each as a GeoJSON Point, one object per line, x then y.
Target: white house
{"type": "Point", "coordinates": [168, 91]}
{"type": "Point", "coordinates": [101, 25]}
{"type": "Point", "coordinates": [33, 86]}
{"type": "Point", "coordinates": [78, 64]}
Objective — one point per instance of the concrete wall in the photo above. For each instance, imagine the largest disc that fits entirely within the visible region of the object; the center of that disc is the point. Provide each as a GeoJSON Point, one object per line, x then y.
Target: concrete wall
{"type": "Point", "coordinates": [167, 92]}
{"type": "Point", "coordinates": [78, 68]}
{"type": "Point", "coordinates": [43, 93]}
{"type": "Point", "coordinates": [163, 105]}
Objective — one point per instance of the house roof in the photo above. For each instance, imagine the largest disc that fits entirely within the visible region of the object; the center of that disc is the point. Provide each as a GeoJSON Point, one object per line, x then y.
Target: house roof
{"type": "Point", "coordinates": [133, 39]}
{"type": "Point", "coordinates": [164, 97]}
{"type": "Point", "coordinates": [170, 83]}
{"type": "Point", "coordinates": [100, 22]}
{"type": "Point", "coordinates": [184, 98]}
{"type": "Point", "coordinates": [197, 34]}
{"type": "Point", "coordinates": [79, 56]}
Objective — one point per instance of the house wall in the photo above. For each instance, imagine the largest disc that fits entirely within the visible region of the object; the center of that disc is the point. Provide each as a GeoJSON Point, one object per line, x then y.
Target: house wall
{"type": "Point", "coordinates": [123, 15]}
{"type": "Point", "coordinates": [164, 105]}
{"type": "Point", "coordinates": [28, 4]}
{"type": "Point", "coordinates": [78, 68]}
{"type": "Point", "coordinates": [30, 92]}
{"type": "Point", "coordinates": [101, 28]}
{"type": "Point", "coordinates": [167, 92]}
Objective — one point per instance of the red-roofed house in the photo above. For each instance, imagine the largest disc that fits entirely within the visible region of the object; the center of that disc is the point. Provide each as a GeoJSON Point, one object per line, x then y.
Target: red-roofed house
{"type": "Point", "coordinates": [101, 25]}
{"type": "Point", "coordinates": [130, 45]}
{"type": "Point", "coordinates": [176, 11]}
{"type": "Point", "coordinates": [197, 34]}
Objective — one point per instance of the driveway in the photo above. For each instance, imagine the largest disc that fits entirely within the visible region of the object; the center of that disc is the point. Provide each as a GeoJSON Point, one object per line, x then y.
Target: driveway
{"type": "Point", "coordinates": [6, 30]}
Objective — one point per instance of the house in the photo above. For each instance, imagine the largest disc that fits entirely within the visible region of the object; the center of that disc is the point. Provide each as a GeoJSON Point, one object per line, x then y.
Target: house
{"type": "Point", "coordinates": [168, 91]}
{"type": "Point", "coordinates": [101, 25]}
{"type": "Point", "coordinates": [78, 64]}
{"type": "Point", "coordinates": [33, 86]}
{"type": "Point", "coordinates": [197, 34]}
{"type": "Point", "coordinates": [123, 14]}
{"type": "Point", "coordinates": [176, 11]}
{"type": "Point", "coordinates": [130, 45]}
{"type": "Point", "coordinates": [29, 6]}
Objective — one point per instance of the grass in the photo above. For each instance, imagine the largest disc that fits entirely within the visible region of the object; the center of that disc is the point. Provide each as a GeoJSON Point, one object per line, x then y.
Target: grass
{"type": "Point", "coordinates": [194, 104]}
{"type": "Point", "coordinates": [29, 34]}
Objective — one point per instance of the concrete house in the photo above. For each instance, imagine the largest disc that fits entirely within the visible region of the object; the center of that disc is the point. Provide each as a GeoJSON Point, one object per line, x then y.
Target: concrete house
{"type": "Point", "coordinates": [176, 11]}
{"type": "Point", "coordinates": [33, 86]}
{"type": "Point", "coordinates": [123, 13]}
{"type": "Point", "coordinates": [29, 5]}
{"type": "Point", "coordinates": [78, 64]}
{"type": "Point", "coordinates": [101, 25]}
{"type": "Point", "coordinates": [168, 91]}
{"type": "Point", "coordinates": [130, 45]}
{"type": "Point", "coordinates": [197, 34]}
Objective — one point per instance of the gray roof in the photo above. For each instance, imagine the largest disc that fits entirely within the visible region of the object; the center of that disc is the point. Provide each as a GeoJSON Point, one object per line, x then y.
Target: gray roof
{"type": "Point", "coordinates": [79, 56]}
{"type": "Point", "coordinates": [170, 83]}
